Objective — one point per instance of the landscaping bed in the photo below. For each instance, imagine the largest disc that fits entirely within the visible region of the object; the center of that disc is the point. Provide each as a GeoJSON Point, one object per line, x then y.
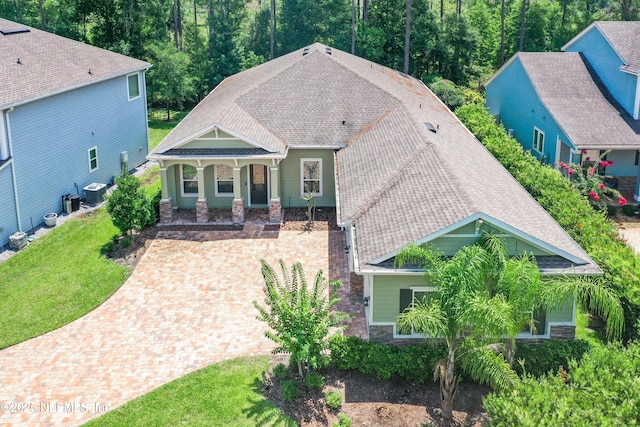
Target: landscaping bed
{"type": "Point", "coordinates": [295, 219]}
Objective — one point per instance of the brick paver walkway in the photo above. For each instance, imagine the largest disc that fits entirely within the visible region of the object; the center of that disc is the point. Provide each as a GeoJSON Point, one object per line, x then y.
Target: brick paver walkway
{"type": "Point", "coordinates": [187, 305]}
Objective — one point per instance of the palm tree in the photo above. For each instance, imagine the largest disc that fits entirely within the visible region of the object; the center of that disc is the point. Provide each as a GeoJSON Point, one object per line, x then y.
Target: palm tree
{"type": "Point", "coordinates": [459, 306]}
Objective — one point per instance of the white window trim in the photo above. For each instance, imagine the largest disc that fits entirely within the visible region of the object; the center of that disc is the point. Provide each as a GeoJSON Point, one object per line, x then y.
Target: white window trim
{"type": "Point", "coordinates": [95, 147]}
{"type": "Point", "coordinates": [137, 74]}
{"type": "Point", "coordinates": [308, 159]}
{"type": "Point", "coordinates": [182, 181]}
{"type": "Point", "coordinates": [533, 145]}
{"type": "Point", "coordinates": [215, 179]}
{"type": "Point", "coordinates": [4, 144]}
{"type": "Point", "coordinates": [414, 289]}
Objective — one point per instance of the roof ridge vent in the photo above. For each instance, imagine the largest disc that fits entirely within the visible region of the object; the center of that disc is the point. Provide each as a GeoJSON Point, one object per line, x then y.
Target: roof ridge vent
{"type": "Point", "coordinates": [327, 50]}
{"type": "Point", "coordinates": [15, 31]}
{"type": "Point", "coordinates": [305, 51]}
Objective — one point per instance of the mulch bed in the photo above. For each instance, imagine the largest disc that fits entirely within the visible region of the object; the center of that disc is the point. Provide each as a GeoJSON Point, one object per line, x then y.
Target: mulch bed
{"type": "Point", "coordinates": [295, 219]}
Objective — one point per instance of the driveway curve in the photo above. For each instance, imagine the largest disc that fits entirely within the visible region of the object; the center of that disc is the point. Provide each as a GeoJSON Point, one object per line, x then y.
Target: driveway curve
{"type": "Point", "coordinates": [186, 305]}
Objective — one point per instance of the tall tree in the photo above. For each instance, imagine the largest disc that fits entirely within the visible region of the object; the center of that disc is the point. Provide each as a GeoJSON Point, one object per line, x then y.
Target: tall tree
{"type": "Point", "coordinates": [523, 12]}
{"type": "Point", "coordinates": [177, 24]}
{"type": "Point", "coordinates": [407, 37]}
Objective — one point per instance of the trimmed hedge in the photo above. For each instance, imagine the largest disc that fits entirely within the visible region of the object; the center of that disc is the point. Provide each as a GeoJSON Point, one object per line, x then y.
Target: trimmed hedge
{"type": "Point", "coordinates": [416, 362]}
{"type": "Point", "coordinates": [591, 229]}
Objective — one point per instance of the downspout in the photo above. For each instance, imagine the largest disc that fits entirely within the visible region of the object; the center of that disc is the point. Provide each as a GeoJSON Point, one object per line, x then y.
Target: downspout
{"type": "Point", "coordinates": [13, 169]}
{"type": "Point", "coordinates": [636, 110]}
{"type": "Point", "coordinates": [146, 109]}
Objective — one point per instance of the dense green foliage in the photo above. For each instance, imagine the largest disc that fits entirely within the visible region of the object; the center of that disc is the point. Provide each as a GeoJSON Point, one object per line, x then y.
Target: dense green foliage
{"type": "Point", "coordinates": [223, 394]}
{"type": "Point", "coordinates": [590, 228]}
{"type": "Point", "coordinates": [194, 45]}
{"type": "Point", "coordinates": [129, 206]}
{"type": "Point", "coordinates": [601, 390]}
{"type": "Point", "coordinates": [299, 317]}
{"type": "Point", "coordinates": [547, 356]}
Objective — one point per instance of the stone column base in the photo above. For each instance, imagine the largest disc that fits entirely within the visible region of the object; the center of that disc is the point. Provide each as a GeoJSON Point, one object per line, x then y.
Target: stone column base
{"type": "Point", "coordinates": [166, 211]}
{"type": "Point", "coordinates": [237, 211]}
{"type": "Point", "coordinates": [563, 332]}
{"type": "Point", "coordinates": [275, 211]}
{"type": "Point", "coordinates": [202, 211]}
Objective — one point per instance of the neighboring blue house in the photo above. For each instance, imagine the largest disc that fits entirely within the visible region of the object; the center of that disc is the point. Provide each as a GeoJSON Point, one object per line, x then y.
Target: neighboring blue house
{"type": "Point", "coordinates": [67, 112]}
{"type": "Point", "coordinates": [567, 106]}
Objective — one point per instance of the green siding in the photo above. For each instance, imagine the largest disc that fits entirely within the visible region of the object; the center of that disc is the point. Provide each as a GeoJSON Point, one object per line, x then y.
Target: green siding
{"type": "Point", "coordinates": [290, 178]}
{"type": "Point", "coordinates": [386, 295]}
{"type": "Point", "coordinates": [563, 313]}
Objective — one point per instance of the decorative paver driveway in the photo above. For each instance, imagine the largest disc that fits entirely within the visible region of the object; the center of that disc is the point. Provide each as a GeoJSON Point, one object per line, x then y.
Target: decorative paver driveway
{"type": "Point", "coordinates": [187, 305]}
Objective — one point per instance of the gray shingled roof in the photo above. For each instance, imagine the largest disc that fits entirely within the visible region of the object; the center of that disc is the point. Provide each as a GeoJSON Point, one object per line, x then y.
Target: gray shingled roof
{"type": "Point", "coordinates": [51, 64]}
{"type": "Point", "coordinates": [579, 102]}
{"type": "Point", "coordinates": [624, 37]}
{"type": "Point", "coordinates": [396, 180]}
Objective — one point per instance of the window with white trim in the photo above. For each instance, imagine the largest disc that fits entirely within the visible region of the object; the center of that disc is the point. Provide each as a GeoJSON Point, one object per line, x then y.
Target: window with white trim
{"type": "Point", "coordinates": [311, 176]}
{"type": "Point", "coordinates": [224, 180]}
{"type": "Point", "coordinates": [189, 178]}
{"type": "Point", "coordinates": [537, 322]}
{"type": "Point", "coordinates": [410, 296]}
{"type": "Point", "coordinates": [93, 159]}
{"type": "Point", "coordinates": [133, 86]}
{"type": "Point", "coordinates": [538, 140]}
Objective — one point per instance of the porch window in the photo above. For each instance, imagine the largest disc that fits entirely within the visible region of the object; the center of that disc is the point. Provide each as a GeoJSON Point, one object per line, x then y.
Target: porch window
{"type": "Point", "coordinates": [409, 296]}
{"type": "Point", "coordinates": [311, 176]}
{"type": "Point", "coordinates": [224, 181]}
{"type": "Point", "coordinates": [133, 86]}
{"type": "Point", "coordinates": [93, 159]}
{"type": "Point", "coordinates": [538, 140]}
{"type": "Point", "coordinates": [189, 178]}
{"type": "Point", "coordinates": [537, 322]}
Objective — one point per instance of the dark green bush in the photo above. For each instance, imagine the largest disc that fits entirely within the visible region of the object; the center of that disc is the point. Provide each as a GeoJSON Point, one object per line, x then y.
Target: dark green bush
{"type": "Point", "coordinates": [600, 390]}
{"type": "Point", "coordinates": [125, 242]}
{"type": "Point", "coordinates": [549, 356]}
{"type": "Point", "coordinates": [333, 399]}
{"type": "Point", "coordinates": [591, 229]}
{"type": "Point", "coordinates": [289, 390]}
{"type": "Point", "coordinates": [412, 362]}
{"type": "Point", "coordinates": [630, 210]}
{"type": "Point", "coordinates": [107, 248]}
{"type": "Point", "coordinates": [448, 92]}
{"type": "Point", "coordinates": [612, 210]}
{"type": "Point", "coordinates": [281, 371]}
{"type": "Point", "coordinates": [314, 380]}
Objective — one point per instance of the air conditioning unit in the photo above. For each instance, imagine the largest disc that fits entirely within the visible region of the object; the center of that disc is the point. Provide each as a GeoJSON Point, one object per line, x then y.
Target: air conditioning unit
{"type": "Point", "coordinates": [18, 240]}
{"type": "Point", "coordinates": [94, 193]}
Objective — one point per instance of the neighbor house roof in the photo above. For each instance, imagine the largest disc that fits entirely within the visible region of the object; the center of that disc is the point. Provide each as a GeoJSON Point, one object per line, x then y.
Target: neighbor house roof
{"type": "Point", "coordinates": [36, 64]}
{"type": "Point", "coordinates": [579, 102]}
{"type": "Point", "coordinates": [624, 38]}
{"type": "Point", "coordinates": [406, 167]}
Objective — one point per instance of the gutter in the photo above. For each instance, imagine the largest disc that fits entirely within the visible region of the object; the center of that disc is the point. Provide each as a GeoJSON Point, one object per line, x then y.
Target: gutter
{"type": "Point", "coordinates": [13, 170]}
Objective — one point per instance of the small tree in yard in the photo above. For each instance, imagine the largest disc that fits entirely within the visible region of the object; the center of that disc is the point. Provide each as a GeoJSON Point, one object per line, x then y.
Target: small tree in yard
{"type": "Point", "coordinates": [129, 207]}
{"type": "Point", "coordinates": [300, 317]}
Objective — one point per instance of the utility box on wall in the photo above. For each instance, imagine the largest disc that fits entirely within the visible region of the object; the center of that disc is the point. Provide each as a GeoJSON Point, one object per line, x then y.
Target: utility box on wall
{"type": "Point", "coordinates": [94, 193]}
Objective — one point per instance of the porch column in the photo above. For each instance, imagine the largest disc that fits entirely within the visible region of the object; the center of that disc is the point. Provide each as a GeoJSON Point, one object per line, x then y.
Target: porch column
{"type": "Point", "coordinates": [202, 206]}
{"type": "Point", "coordinates": [166, 208]}
{"type": "Point", "coordinates": [275, 210]}
{"type": "Point", "coordinates": [237, 208]}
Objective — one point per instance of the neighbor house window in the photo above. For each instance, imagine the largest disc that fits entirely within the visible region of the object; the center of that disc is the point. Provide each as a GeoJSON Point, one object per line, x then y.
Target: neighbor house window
{"type": "Point", "coordinates": [538, 140]}
{"type": "Point", "coordinates": [311, 176]}
{"type": "Point", "coordinates": [224, 180]}
{"type": "Point", "coordinates": [537, 322]}
{"type": "Point", "coordinates": [93, 159]}
{"type": "Point", "coordinates": [189, 177]}
{"type": "Point", "coordinates": [133, 85]}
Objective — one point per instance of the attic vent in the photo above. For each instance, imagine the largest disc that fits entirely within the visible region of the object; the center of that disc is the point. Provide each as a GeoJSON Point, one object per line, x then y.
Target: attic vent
{"type": "Point", "coordinates": [327, 50]}
{"type": "Point", "coordinates": [430, 127]}
{"type": "Point", "coordinates": [305, 51]}
{"type": "Point", "coordinates": [15, 31]}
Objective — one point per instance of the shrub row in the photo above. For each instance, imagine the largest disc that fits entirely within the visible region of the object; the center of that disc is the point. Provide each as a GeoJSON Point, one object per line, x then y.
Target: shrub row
{"type": "Point", "coordinates": [416, 362]}
{"type": "Point", "coordinates": [591, 229]}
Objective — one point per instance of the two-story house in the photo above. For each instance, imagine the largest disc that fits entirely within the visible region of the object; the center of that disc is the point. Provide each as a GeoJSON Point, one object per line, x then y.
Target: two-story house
{"type": "Point", "coordinates": [70, 115]}
{"type": "Point", "coordinates": [577, 104]}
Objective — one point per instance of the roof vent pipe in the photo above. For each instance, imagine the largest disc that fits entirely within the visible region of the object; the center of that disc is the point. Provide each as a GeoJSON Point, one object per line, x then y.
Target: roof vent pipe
{"type": "Point", "coordinates": [327, 50]}
{"type": "Point", "coordinates": [305, 51]}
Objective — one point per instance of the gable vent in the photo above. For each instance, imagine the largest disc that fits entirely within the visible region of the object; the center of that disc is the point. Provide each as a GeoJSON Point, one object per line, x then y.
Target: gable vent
{"type": "Point", "coordinates": [305, 51]}
{"type": "Point", "coordinates": [15, 31]}
{"type": "Point", "coordinates": [327, 50]}
{"type": "Point", "coordinates": [430, 127]}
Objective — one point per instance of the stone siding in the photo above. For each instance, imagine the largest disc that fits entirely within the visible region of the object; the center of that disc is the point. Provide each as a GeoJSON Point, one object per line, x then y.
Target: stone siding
{"type": "Point", "coordinates": [166, 211]}
{"type": "Point", "coordinates": [275, 211]}
{"type": "Point", "coordinates": [237, 211]}
{"type": "Point", "coordinates": [202, 211]}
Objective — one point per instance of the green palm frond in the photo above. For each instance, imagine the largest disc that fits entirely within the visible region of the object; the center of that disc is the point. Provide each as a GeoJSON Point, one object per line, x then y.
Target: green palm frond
{"type": "Point", "coordinates": [486, 366]}
{"type": "Point", "coordinates": [492, 316]}
{"type": "Point", "coordinates": [592, 294]}
{"type": "Point", "coordinates": [424, 318]}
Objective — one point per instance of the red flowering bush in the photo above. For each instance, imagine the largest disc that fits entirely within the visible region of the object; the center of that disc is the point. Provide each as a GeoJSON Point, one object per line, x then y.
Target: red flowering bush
{"type": "Point", "coordinates": [590, 179]}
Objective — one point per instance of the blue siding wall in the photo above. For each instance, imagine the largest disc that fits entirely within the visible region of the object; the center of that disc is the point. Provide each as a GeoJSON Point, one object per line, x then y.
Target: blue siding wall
{"type": "Point", "coordinates": [8, 223]}
{"type": "Point", "coordinates": [623, 163]}
{"type": "Point", "coordinates": [51, 139]}
{"type": "Point", "coordinates": [606, 62]}
{"type": "Point", "coordinates": [511, 96]}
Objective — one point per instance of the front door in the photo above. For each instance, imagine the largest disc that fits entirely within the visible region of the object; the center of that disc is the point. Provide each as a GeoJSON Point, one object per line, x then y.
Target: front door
{"type": "Point", "coordinates": [258, 184]}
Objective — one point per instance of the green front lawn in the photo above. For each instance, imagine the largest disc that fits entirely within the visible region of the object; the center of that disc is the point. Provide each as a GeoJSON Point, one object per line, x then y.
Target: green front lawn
{"type": "Point", "coordinates": [224, 394]}
{"type": "Point", "coordinates": [57, 278]}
